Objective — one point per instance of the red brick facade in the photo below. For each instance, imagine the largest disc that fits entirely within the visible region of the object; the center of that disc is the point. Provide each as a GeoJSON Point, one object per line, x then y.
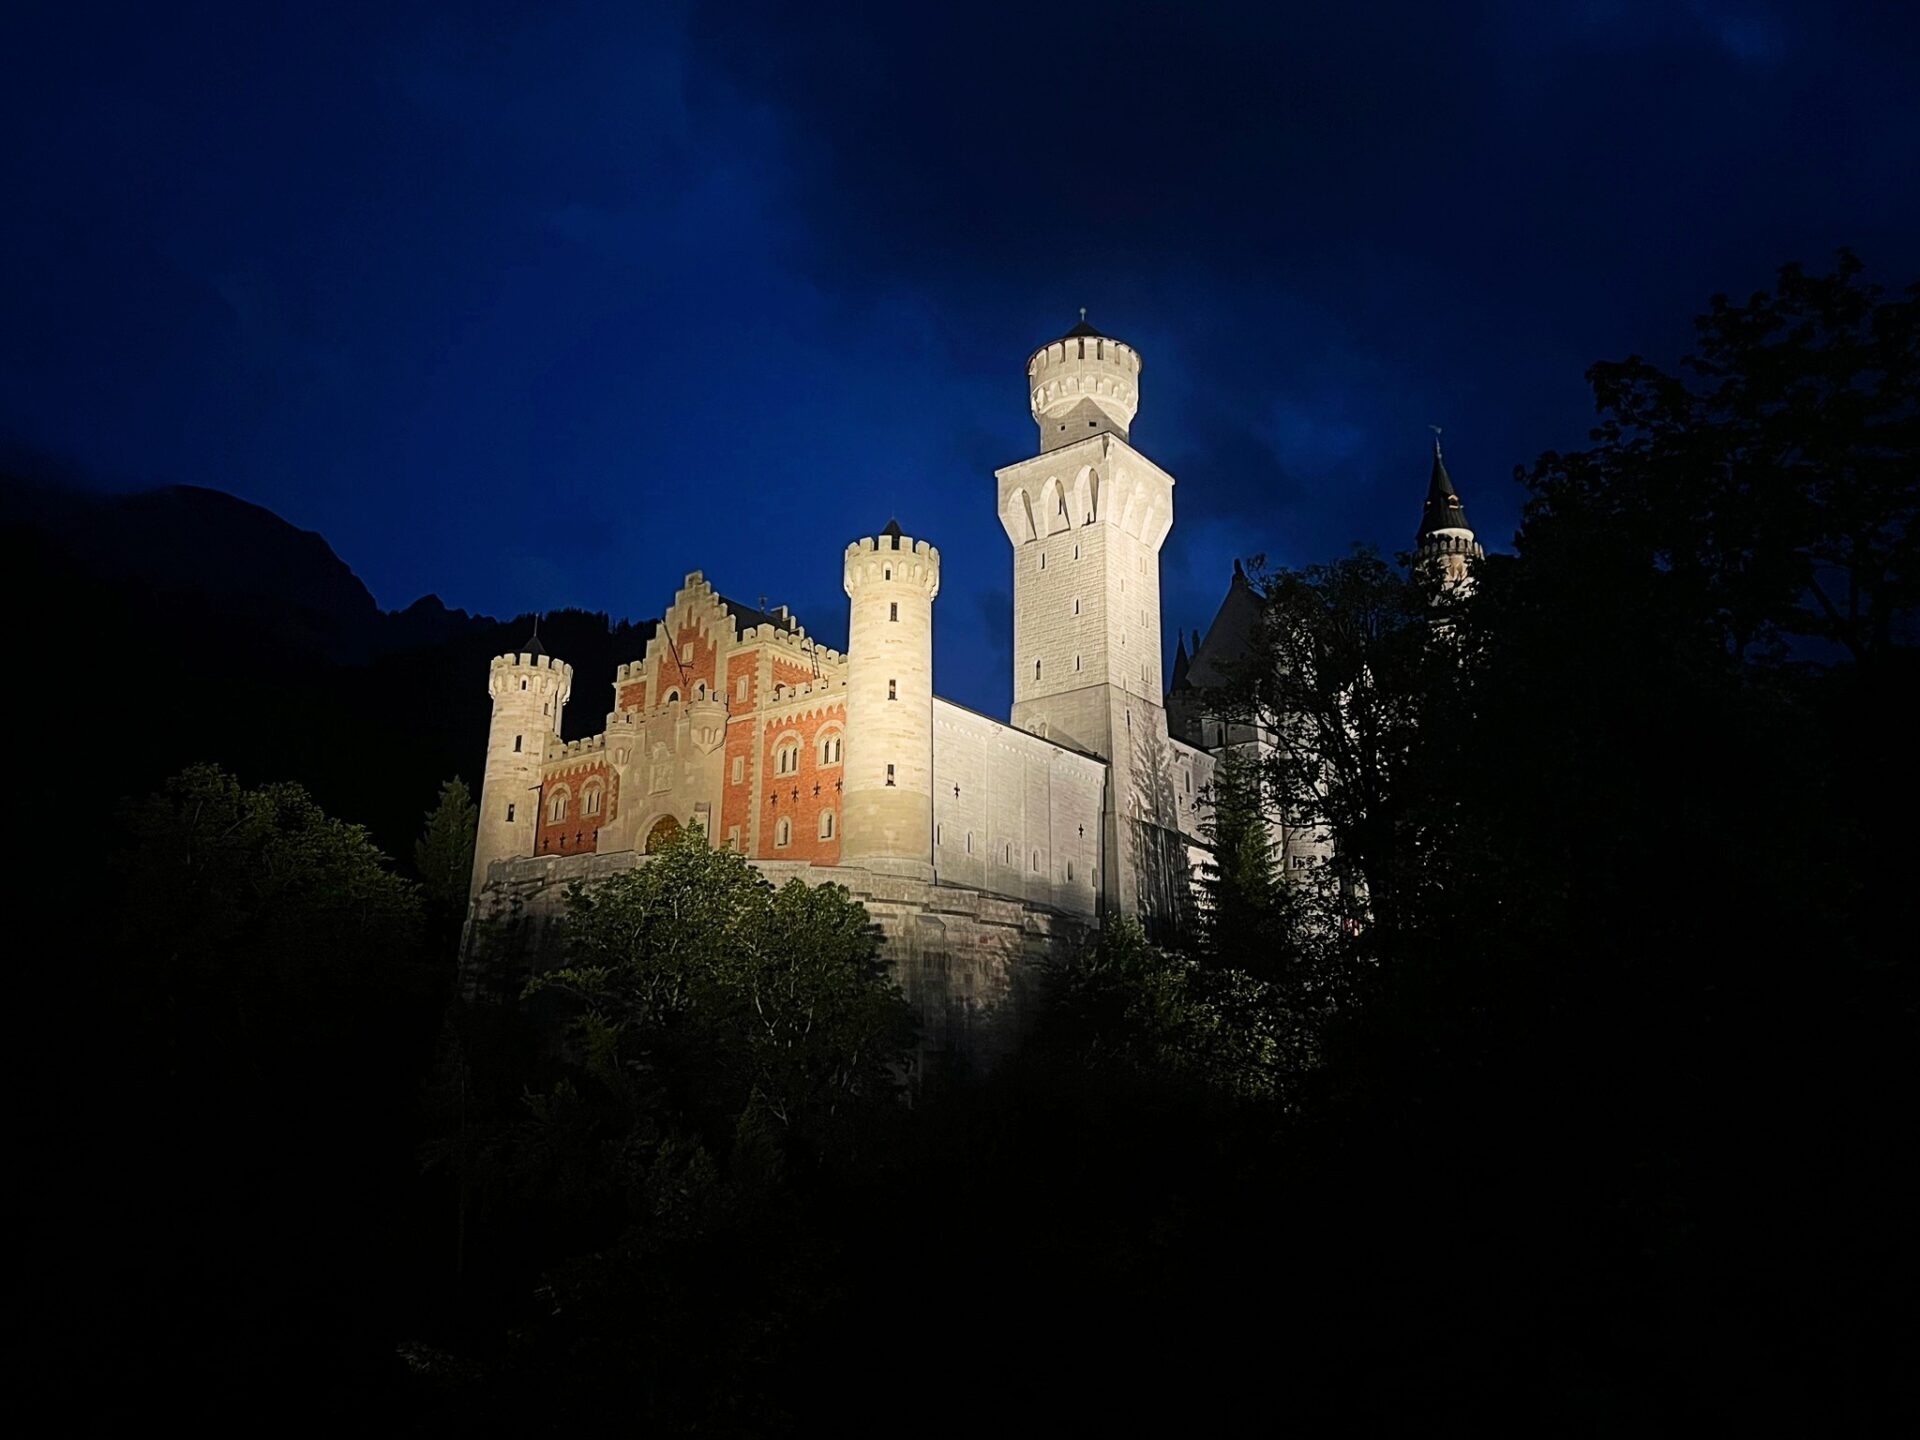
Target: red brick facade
{"type": "Point", "coordinates": [736, 799]}
{"type": "Point", "coordinates": [577, 830]}
{"type": "Point", "coordinates": [696, 668]}
{"type": "Point", "coordinates": [803, 794]}
{"type": "Point", "coordinates": [743, 667]}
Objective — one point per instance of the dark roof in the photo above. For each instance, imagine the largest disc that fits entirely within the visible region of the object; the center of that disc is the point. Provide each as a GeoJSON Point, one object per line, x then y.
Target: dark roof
{"type": "Point", "coordinates": [893, 529]}
{"type": "Point", "coordinates": [1444, 510]}
{"type": "Point", "coordinates": [533, 646]}
{"type": "Point", "coordinates": [1229, 639]}
{"type": "Point", "coordinates": [746, 616]}
{"type": "Point", "coordinates": [1083, 331]}
{"type": "Point", "coordinates": [1179, 665]}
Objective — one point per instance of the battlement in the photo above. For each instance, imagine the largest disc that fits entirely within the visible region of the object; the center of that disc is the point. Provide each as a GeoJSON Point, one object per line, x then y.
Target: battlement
{"type": "Point", "coordinates": [795, 639]}
{"type": "Point", "coordinates": [1450, 542]}
{"type": "Point", "coordinates": [1068, 374]}
{"type": "Point", "coordinates": [892, 559]}
{"type": "Point", "coordinates": [815, 690]}
{"type": "Point", "coordinates": [533, 662]}
{"type": "Point", "coordinates": [540, 674]}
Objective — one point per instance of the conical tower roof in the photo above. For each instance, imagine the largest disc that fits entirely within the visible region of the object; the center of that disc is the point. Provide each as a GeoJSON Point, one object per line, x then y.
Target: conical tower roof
{"type": "Point", "coordinates": [1444, 510]}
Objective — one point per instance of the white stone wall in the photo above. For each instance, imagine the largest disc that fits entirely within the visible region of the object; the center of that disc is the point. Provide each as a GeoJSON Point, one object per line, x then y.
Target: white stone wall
{"type": "Point", "coordinates": [529, 695]}
{"type": "Point", "coordinates": [1082, 385]}
{"type": "Point", "coordinates": [1086, 523]}
{"type": "Point", "coordinates": [1013, 814]}
{"type": "Point", "coordinates": [891, 583]}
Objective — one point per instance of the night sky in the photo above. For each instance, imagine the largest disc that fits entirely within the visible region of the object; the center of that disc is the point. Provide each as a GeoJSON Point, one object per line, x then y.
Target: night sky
{"type": "Point", "coordinates": [534, 306]}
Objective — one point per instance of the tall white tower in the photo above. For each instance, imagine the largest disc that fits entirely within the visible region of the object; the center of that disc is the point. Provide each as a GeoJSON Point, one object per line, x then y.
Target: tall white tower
{"type": "Point", "coordinates": [887, 810]}
{"type": "Point", "coordinates": [530, 691]}
{"type": "Point", "coordinates": [1087, 517]}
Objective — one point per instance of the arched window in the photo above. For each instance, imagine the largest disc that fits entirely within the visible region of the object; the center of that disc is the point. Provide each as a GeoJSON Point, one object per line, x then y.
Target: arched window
{"type": "Point", "coordinates": [826, 824]}
{"type": "Point", "coordinates": [889, 774]}
{"type": "Point", "coordinates": [783, 832]}
{"type": "Point", "coordinates": [700, 690]}
{"type": "Point", "coordinates": [1036, 862]}
{"type": "Point", "coordinates": [786, 755]}
{"type": "Point", "coordinates": [673, 697]}
{"type": "Point", "coordinates": [830, 748]}
{"type": "Point", "coordinates": [893, 610]}
{"type": "Point", "coordinates": [590, 800]}
{"type": "Point", "coordinates": [886, 572]}
{"type": "Point", "coordinates": [557, 807]}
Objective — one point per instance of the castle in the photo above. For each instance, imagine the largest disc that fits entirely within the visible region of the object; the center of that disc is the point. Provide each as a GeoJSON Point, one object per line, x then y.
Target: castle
{"type": "Point", "coordinates": [975, 843]}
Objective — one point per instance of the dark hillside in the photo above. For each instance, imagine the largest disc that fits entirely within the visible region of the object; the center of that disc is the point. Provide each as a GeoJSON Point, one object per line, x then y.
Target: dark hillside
{"type": "Point", "coordinates": [196, 626]}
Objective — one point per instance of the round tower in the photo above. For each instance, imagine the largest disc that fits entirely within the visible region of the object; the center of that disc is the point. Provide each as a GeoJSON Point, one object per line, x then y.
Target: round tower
{"type": "Point", "coordinates": [530, 690]}
{"type": "Point", "coordinates": [1085, 383]}
{"type": "Point", "coordinates": [1444, 548]}
{"type": "Point", "coordinates": [887, 809]}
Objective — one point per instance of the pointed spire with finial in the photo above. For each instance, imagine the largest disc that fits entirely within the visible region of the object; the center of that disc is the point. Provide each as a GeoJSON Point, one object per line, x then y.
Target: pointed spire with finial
{"type": "Point", "coordinates": [1084, 330]}
{"type": "Point", "coordinates": [1444, 509]}
{"type": "Point", "coordinates": [533, 646]}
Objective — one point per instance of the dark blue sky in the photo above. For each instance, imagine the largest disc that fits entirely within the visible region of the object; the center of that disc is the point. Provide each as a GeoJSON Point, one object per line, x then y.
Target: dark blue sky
{"type": "Point", "coordinates": [546, 305]}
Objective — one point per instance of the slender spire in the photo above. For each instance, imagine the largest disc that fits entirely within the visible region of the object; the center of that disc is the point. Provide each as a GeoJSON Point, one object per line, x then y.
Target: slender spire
{"type": "Point", "coordinates": [533, 646]}
{"type": "Point", "coordinates": [1444, 510]}
{"type": "Point", "coordinates": [1179, 665]}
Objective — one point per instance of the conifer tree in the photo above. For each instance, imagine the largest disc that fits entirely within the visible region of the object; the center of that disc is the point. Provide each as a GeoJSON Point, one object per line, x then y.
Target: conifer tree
{"type": "Point", "coordinates": [444, 852]}
{"type": "Point", "coordinates": [1242, 910]}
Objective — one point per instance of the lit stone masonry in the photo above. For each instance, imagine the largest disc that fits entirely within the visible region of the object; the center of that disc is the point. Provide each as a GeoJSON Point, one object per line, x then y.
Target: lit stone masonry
{"type": "Point", "coordinates": [1083, 384]}
{"type": "Point", "coordinates": [1087, 517]}
{"type": "Point", "coordinates": [978, 845]}
{"type": "Point", "coordinates": [530, 690]}
{"type": "Point", "coordinates": [891, 581]}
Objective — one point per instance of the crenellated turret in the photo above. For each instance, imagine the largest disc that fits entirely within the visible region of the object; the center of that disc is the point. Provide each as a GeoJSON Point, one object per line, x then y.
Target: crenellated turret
{"type": "Point", "coordinates": [891, 581]}
{"type": "Point", "coordinates": [1085, 383]}
{"type": "Point", "coordinates": [530, 690]}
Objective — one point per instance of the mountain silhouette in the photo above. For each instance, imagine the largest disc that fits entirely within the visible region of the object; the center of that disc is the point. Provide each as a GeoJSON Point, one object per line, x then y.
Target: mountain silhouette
{"type": "Point", "coordinates": [186, 624]}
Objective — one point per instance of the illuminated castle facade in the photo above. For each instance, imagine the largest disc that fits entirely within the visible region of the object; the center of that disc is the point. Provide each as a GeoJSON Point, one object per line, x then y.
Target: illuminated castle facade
{"type": "Point", "coordinates": [973, 841]}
